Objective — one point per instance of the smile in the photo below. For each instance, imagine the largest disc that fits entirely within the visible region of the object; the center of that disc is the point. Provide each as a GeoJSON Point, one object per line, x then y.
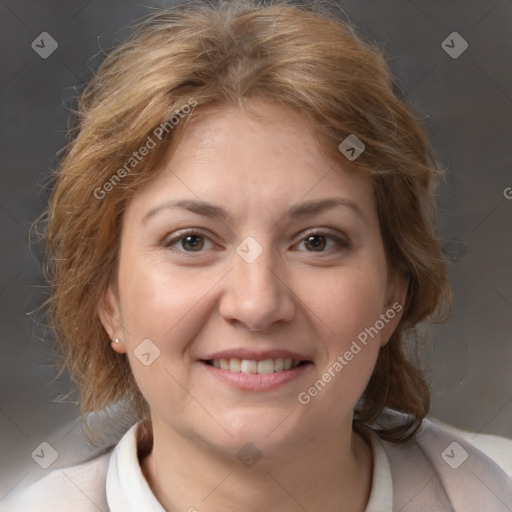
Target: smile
{"type": "Point", "coordinates": [266, 366]}
{"type": "Point", "coordinates": [256, 375]}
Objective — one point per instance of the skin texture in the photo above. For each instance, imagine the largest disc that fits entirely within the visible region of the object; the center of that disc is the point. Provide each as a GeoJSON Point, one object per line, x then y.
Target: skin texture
{"type": "Point", "coordinates": [193, 303]}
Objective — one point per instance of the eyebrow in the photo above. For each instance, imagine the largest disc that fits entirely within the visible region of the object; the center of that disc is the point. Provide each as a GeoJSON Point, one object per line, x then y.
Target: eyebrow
{"type": "Point", "coordinates": [300, 210]}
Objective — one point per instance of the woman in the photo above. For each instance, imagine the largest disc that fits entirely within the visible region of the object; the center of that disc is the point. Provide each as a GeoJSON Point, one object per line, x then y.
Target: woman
{"type": "Point", "coordinates": [240, 242]}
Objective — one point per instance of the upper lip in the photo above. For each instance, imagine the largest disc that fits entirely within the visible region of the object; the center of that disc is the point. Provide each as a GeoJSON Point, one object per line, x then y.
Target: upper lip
{"type": "Point", "coordinates": [256, 355]}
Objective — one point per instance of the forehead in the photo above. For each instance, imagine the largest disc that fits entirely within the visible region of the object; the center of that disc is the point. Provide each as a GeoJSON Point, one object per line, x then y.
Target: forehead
{"type": "Point", "coordinates": [251, 159]}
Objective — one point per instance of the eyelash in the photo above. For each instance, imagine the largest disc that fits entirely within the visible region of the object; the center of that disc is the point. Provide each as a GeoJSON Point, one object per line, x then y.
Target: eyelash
{"type": "Point", "coordinates": [341, 242]}
{"type": "Point", "coordinates": [168, 243]}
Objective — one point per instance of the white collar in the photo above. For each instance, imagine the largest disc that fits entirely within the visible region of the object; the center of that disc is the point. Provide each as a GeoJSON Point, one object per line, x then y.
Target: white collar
{"type": "Point", "coordinates": [381, 494]}
{"type": "Point", "coordinates": [128, 490]}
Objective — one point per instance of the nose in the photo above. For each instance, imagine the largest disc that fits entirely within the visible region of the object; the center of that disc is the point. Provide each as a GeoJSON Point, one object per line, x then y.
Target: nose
{"type": "Point", "coordinates": [256, 295]}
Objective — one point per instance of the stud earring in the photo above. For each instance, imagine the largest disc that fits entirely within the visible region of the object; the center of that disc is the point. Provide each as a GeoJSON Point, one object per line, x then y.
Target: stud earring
{"type": "Point", "coordinates": [116, 340]}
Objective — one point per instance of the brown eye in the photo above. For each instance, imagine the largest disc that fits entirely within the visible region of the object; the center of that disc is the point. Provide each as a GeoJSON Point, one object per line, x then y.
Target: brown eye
{"type": "Point", "coordinates": [188, 242]}
{"type": "Point", "coordinates": [192, 243]}
{"type": "Point", "coordinates": [315, 243]}
{"type": "Point", "coordinates": [322, 242]}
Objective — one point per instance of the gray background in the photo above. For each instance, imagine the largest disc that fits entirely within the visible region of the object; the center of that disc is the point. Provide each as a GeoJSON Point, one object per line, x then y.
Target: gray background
{"type": "Point", "coordinates": [466, 102]}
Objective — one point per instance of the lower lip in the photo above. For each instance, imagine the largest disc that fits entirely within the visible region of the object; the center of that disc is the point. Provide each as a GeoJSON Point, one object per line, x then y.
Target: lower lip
{"type": "Point", "coordinates": [256, 381]}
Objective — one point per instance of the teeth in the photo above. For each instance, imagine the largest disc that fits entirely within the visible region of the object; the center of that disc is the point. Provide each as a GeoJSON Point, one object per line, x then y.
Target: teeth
{"type": "Point", "coordinates": [248, 366]}
{"type": "Point", "coordinates": [266, 366]}
{"type": "Point", "coordinates": [251, 366]}
{"type": "Point", "coordinates": [235, 364]}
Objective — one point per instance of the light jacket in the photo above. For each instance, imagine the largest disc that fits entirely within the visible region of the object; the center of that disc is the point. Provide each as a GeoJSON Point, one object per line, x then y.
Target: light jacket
{"type": "Point", "coordinates": [439, 470]}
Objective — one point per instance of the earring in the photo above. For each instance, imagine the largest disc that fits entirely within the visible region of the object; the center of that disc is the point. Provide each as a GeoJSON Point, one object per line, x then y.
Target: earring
{"type": "Point", "coordinates": [116, 340]}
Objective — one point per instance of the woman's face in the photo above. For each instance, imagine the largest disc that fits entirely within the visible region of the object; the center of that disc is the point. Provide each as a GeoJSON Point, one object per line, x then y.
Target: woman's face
{"type": "Point", "coordinates": [251, 248]}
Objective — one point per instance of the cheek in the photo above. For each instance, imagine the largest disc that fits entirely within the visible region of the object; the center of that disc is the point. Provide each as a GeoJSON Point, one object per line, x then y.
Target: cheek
{"type": "Point", "coordinates": [347, 307]}
{"type": "Point", "coordinates": [163, 303]}
{"type": "Point", "coordinates": [347, 303]}
{"type": "Point", "coordinates": [346, 300]}
{"type": "Point", "coordinates": [168, 307]}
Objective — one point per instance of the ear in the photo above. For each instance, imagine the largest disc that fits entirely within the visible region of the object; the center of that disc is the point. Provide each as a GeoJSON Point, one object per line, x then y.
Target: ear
{"type": "Point", "coordinates": [396, 293]}
{"type": "Point", "coordinates": [109, 312]}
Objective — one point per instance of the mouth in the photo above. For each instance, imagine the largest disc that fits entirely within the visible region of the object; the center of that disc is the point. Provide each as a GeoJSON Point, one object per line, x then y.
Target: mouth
{"type": "Point", "coordinates": [260, 367]}
{"type": "Point", "coordinates": [256, 370]}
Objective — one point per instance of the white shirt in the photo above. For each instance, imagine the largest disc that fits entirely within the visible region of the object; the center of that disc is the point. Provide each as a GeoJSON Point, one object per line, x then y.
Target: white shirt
{"type": "Point", "coordinates": [439, 470]}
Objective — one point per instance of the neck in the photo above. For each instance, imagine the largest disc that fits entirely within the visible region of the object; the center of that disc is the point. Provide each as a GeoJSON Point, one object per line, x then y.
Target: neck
{"type": "Point", "coordinates": [334, 473]}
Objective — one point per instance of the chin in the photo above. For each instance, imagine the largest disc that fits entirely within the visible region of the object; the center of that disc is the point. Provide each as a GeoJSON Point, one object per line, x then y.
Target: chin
{"type": "Point", "coordinates": [270, 432]}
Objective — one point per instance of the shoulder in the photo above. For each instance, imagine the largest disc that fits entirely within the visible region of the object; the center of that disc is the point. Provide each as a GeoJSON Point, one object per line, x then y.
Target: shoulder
{"type": "Point", "coordinates": [498, 449]}
{"type": "Point", "coordinates": [82, 486]}
{"type": "Point", "coordinates": [445, 466]}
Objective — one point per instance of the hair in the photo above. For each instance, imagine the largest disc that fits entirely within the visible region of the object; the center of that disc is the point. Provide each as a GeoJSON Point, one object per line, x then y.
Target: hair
{"type": "Point", "coordinates": [211, 56]}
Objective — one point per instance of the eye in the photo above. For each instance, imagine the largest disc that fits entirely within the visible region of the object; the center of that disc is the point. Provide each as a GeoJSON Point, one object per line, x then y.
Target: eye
{"type": "Point", "coordinates": [189, 242]}
{"type": "Point", "coordinates": [192, 243]}
{"type": "Point", "coordinates": [322, 242]}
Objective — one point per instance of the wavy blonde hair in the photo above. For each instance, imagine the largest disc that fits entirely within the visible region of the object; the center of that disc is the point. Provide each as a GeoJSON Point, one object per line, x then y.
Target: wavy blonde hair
{"type": "Point", "coordinates": [303, 57]}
